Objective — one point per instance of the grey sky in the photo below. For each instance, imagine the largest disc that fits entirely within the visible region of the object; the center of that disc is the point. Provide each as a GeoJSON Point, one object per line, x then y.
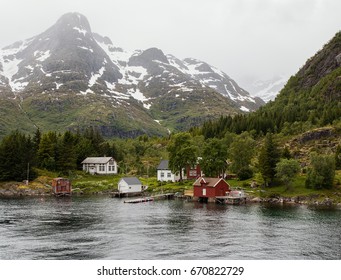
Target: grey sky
{"type": "Point", "coordinates": [244, 38]}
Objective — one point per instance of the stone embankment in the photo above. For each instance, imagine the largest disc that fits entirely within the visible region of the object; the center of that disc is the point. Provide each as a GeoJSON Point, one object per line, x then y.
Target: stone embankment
{"type": "Point", "coordinates": [19, 189]}
{"type": "Point", "coordinates": [312, 200]}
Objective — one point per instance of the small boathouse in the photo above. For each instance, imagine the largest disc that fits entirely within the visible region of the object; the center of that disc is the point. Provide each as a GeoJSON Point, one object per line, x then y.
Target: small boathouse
{"type": "Point", "coordinates": [61, 186]}
{"type": "Point", "coordinates": [206, 189]}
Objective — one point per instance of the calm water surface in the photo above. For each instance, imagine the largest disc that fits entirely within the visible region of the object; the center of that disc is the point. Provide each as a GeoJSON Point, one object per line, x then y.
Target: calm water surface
{"type": "Point", "coordinates": [107, 228]}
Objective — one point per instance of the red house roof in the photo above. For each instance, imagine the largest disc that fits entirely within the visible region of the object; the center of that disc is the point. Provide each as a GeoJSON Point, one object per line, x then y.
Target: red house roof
{"type": "Point", "coordinates": [208, 182]}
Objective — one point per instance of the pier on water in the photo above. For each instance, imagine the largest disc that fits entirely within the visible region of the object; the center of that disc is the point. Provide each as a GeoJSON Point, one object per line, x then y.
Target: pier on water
{"type": "Point", "coordinates": [163, 196]}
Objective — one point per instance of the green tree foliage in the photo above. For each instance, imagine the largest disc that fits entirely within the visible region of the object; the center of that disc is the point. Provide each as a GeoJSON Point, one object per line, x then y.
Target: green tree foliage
{"type": "Point", "coordinates": [321, 172]}
{"type": "Point", "coordinates": [67, 158]}
{"type": "Point", "coordinates": [241, 152]}
{"type": "Point", "coordinates": [95, 137]}
{"type": "Point", "coordinates": [16, 157]}
{"type": "Point", "coordinates": [214, 156]}
{"type": "Point", "coordinates": [287, 170]}
{"type": "Point", "coordinates": [48, 151]}
{"type": "Point", "coordinates": [182, 152]}
{"type": "Point", "coordinates": [65, 152]}
{"type": "Point", "coordinates": [338, 157]}
{"type": "Point", "coordinates": [268, 158]}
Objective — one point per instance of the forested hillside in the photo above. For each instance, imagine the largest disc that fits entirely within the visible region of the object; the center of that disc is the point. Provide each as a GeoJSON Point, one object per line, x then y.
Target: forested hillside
{"type": "Point", "coordinates": [310, 99]}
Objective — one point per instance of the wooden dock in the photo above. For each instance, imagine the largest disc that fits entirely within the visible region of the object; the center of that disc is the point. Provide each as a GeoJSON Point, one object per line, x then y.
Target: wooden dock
{"type": "Point", "coordinates": [162, 196]}
{"type": "Point", "coordinates": [139, 200]}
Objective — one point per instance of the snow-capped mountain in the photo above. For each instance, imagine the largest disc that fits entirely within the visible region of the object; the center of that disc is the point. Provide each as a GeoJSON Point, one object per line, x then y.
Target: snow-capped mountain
{"type": "Point", "coordinates": [72, 72]}
{"type": "Point", "coordinates": [268, 89]}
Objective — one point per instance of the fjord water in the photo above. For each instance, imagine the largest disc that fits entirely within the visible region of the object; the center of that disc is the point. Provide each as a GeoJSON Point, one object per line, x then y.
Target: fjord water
{"type": "Point", "coordinates": [106, 228]}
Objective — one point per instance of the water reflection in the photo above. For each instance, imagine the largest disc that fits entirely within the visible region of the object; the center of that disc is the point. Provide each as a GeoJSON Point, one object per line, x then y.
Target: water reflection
{"type": "Point", "coordinates": [107, 228]}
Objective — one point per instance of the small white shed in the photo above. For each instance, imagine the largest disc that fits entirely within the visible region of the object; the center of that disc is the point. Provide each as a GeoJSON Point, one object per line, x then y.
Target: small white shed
{"type": "Point", "coordinates": [130, 185]}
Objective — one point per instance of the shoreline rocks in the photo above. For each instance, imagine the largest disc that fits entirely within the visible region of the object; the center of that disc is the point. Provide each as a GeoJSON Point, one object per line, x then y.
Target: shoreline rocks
{"type": "Point", "coordinates": [13, 190]}
{"type": "Point", "coordinates": [309, 201]}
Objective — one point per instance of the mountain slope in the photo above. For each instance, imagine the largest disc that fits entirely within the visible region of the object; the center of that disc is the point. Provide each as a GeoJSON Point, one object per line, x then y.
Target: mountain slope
{"type": "Point", "coordinates": [69, 78]}
{"type": "Point", "coordinates": [313, 95]}
{"type": "Point", "coordinates": [310, 99]}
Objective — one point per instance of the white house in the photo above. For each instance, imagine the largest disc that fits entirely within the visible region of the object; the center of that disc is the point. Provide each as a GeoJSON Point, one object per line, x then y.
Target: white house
{"type": "Point", "coordinates": [130, 185]}
{"type": "Point", "coordinates": [100, 165]}
{"type": "Point", "coordinates": [164, 173]}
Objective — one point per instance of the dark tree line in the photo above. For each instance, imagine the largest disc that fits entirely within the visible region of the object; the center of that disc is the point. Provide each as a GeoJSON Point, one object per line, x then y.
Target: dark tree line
{"type": "Point", "coordinates": [20, 153]}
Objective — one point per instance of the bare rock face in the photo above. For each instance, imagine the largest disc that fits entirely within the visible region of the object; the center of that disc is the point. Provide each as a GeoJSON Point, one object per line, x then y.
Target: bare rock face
{"type": "Point", "coordinates": [338, 59]}
{"type": "Point", "coordinates": [322, 63]}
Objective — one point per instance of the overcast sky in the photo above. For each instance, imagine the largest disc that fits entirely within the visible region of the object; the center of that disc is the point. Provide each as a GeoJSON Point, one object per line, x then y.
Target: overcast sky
{"type": "Point", "coordinates": [246, 39]}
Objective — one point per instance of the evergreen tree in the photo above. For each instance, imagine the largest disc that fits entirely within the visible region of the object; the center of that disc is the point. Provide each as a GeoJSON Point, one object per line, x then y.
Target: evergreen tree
{"type": "Point", "coordinates": [95, 138]}
{"type": "Point", "coordinates": [36, 140]}
{"type": "Point", "coordinates": [268, 158]}
{"type": "Point", "coordinates": [48, 151]}
{"type": "Point", "coordinates": [67, 158]}
{"type": "Point", "coordinates": [16, 157]}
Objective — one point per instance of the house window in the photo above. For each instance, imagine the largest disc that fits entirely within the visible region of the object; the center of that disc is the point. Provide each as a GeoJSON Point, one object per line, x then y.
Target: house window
{"type": "Point", "coordinates": [162, 174]}
{"type": "Point", "coordinates": [101, 167]}
{"type": "Point", "coordinates": [203, 191]}
{"type": "Point", "coordinates": [193, 173]}
{"type": "Point", "coordinates": [169, 175]}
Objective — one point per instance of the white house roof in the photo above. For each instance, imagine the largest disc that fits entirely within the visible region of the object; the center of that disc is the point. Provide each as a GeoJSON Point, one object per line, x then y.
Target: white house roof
{"type": "Point", "coordinates": [163, 165]}
{"type": "Point", "coordinates": [131, 180]}
{"type": "Point", "coordinates": [97, 160]}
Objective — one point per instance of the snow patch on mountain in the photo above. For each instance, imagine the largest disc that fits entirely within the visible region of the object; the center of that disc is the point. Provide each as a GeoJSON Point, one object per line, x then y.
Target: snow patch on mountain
{"type": "Point", "coordinates": [82, 31]}
{"type": "Point", "coordinates": [42, 56]}
{"type": "Point", "coordinates": [244, 109]}
{"type": "Point", "coordinates": [95, 76]}
{"type": "Point", "coordinates": [268, 89]}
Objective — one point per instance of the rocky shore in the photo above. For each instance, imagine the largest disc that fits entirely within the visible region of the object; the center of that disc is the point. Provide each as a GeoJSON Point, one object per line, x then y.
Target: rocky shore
{"type": "Point", "coordinates": [312, 200]}
{"type": "Point", "coordinates": [18, 189]}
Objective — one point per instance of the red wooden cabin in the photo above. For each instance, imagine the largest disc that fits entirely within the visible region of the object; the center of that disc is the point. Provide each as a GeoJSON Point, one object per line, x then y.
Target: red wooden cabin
{"type": "Point", "coordinates": [209, 188]}
{"type": "Point", "coordinates": [61, 186]}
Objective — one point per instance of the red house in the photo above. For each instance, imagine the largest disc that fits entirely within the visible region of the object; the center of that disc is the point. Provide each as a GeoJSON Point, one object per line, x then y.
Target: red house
{"type": "Point", "coordinates": [207, 189]}
{"type": "Point", "coordinates": [61, 186]}
{"type": "Point", "coordinates": [193, 172]}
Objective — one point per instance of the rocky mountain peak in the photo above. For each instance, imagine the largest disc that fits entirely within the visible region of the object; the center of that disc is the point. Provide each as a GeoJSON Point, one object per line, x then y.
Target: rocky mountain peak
{"type": "Point", "coordinates": [149, 55]}
{"type": "Point", "coordinates": [72, 71]}
{"type": "Point", "coordinates": [74, 21]}
{"type": "Point", "coordinates": [102, 39]}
